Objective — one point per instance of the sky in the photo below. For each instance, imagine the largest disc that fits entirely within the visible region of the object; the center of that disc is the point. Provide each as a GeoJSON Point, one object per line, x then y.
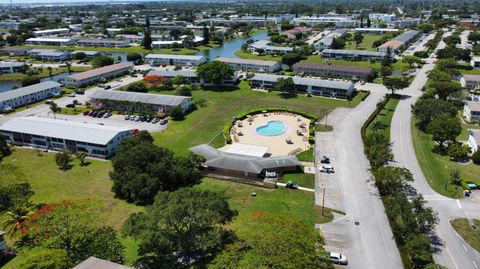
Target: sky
{"type": "Point", "coordinates": [63, 1]}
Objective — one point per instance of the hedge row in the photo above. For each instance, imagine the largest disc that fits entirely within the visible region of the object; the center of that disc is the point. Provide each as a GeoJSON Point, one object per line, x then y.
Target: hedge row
{"type": "Point", "coordinates": [243, 115]}
{"type": "Point", "coordinates": [373, 116]}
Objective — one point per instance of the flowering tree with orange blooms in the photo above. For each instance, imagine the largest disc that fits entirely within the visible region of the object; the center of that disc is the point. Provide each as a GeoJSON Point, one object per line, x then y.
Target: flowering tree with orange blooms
{"type": "Point", "coordinates": [75, 227]}
{"type": "Point", "coordinates": [153, 80]}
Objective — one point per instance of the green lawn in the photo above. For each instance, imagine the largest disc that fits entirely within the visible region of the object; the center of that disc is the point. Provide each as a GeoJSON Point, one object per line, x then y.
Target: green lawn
{"type": "Point", "coordinates": [397, 66]}
{"type": "Point", "coordinates": [471, 236]}
{"type": "Point", "coordinates": [300, 178]}
{"type": "Point", "coordinates": [72, 111]}
{"type": "Point", "coordinates": [137, 49]}
{"type": "Point", "coordinates": [385, 118]}
{"type": "Point", "coordinates": [43, 72]}
{"type": "Point", "coordinates": [306, 156]}
{"type": "Point", "coordinates": [436, 168]}
{"type": "Point", "coordinates": [367, 43]}
{"type": "Point", "coordinates": [280, 201]}
{"type": "Point", "coordinates": [202, 125]}
{"type": "Point", "coordinates": [248, 55]}
{"type": "Point", "coordinates": [470, 72]}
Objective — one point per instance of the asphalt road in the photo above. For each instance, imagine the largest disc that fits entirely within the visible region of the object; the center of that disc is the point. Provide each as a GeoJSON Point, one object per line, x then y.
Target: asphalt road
{"type": "Point", "coordinates": [452, 251]}
{"type": "Point", "coordinates": [369, 242]}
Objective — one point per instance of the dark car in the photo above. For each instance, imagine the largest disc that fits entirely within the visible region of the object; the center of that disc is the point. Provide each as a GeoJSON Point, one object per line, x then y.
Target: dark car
{"type": "Point", "coordinates": [70, 105]}
{"type": "Point", "coordinates": [80, 92]}
{"type": "Point", "coordinates": [86, 112]}
{"type": "Point", "coordinates": [94, 114]}
{"type": "Point", "coordinates": [163, 122]}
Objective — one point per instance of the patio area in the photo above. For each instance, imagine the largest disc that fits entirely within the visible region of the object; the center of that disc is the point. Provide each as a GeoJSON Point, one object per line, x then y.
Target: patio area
{"type": "Point", "coordinates": [284, 133]}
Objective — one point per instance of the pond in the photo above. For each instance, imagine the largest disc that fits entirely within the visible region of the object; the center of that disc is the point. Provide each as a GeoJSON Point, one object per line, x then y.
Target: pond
{"type": "Point", "coordinates": [229, 48]}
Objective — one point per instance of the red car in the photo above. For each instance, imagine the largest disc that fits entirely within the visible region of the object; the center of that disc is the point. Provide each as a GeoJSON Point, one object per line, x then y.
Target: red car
{"type": "Point", "coordinates": [86, 112]}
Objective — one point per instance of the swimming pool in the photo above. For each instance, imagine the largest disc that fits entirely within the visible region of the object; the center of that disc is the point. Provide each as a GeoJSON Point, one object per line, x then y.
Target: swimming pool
{"type": "Point", "coordinates": [272, 128]}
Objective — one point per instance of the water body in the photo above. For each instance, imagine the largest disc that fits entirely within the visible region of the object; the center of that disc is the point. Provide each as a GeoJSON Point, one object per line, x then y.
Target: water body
{"type": "Point", "coordinates": [8, 85]}
{"type": "Point", "coordinates": [229, 48]}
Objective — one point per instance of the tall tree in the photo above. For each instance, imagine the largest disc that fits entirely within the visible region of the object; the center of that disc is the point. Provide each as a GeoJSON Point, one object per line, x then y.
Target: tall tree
{"type": "Point", "coordinates": [290, 59]}
{"type": "Point", "coordinates": [206, 34]}
{"type": "Point", "coordinates": [215, 72]}
{"type": "Point", "coordinates": [147, 40]}
{"type": "Point", "coordinates": [387, 60]}
{"type": "Point", "coordinates": [395, 84]}
{"type": "Point", "coordinates": [63, 159]}
{"type": "Point", "coordinates": [272, 241]}
{"type": "Point", "coordinates": [4, 148]}
{"type": "Point", "coordinates": [378, 149]}
{"type": "Point", "coordinates": [444, 128]}
{"type": "Point", "coordinates": [426, 109]}
{"type": "Point", "coordinates": [181, 229]}
{"type": "Point", "coordinates": [285, 86]}
{"type": "Point", "coordinates": [53, 107]}
{"type": "Point", "coordinates": [358, 37]}
{"type": "Point", "coordinates": [369, 22]}
{"type": "Point", "coordinates": [50, 69]}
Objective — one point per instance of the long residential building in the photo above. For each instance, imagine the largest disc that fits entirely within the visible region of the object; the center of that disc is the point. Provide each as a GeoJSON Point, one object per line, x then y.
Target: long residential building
{"type": "Point", "coordinates": [93, 76]}
{"type": "Point", "coordinates": [330, 70]}
{"type": "Point", "coordinates": [353, 54]}
{"type": "Point", "coordinates": [11, 67]}
{"type": "Point", "coordinates": [51, 32]}
{"type": "Point", "coordinates": [266, 47]}
{"type": "Point", "coordinates": [173, 59]}
{"type": "Point", "coordinates": [27, 95]}
{"type": "Point", "coordinates": [313, 86]}
{"type": "Point", "coordinates": [139, 102]}
{"type": "Point", "coordinates": [103, 43]}
{"type": "Point", "coordinates": [190, 76]}
{"type": "Point", "coordinates": [399, 42]}
{"type": "Point", "coordinates": [249, 64]}
{"type": "Point", "coordinates": [55, 134]}
{"type": "Point", "coordinates": [471, 111]}
{"type": "Point", "coordinates": [45, 41]}
{"type": "Point", "coordinates": [337, 20]}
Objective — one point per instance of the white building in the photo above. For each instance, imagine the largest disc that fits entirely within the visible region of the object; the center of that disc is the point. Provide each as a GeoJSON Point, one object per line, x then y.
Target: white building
{"type": "Point", "coordinates": [93, 76]}
{"type": "Point", "coordinates": [266, 46]}
{"type": "Point", "coordinates": [48, 32]}
{"type": "Point", "coordinates": [475, 62]}
{"type": "Point", "coordinates": [44, 41]}
{"type": "Point", "coordinates": [95, 263]}
{"type": "Point", "coordinates": [470, 81]}
{"type": "Point", "coordinates": [103, 43]}
{"type": "Point", "coordinates": [471, 111]}
{"type": "Point", "coordinates": [27, 95]}
{"type": "Point", "coordinates": [404, 23]}
{"type": "Point", "coordinates": [11, 67]}
{"type": "Point", "coordinates": [337, 20]}
{"type": "Point", "coordinates": [174, 59]}
{"type": "Point", "coordinates": [353, 54]}
{"type": "Point", "coordinates": [53, 56]}
{"type": "Point", "coordinates": [376, 30]}
{"type": "Point", "coordinates": [10, 25]}
{"type": "Point", "coordinates": [327, 41]}
{"type": "Point", "coordinates": [113, 31]}
{"type": "Point", "coordinates": [252, 65]}
{"type": "Point", "coordinates": [381, 17]}
{"type": "Point", "coordinates": [151, 103]}
{"type": "Point", "coordinates": [3, 244]}
{"type": "Point", "coordinates": [191, 77]}
{"type": "Point", "coordinates": [95, 140]}
{"type": "Point", "coordinates": [165, 44]}
{"type": "Point", "coordinates": [473, 139]}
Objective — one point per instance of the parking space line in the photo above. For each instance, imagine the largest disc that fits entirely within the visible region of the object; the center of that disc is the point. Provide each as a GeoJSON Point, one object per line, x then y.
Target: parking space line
{"type": "Point", "coordinates": [459, 204]}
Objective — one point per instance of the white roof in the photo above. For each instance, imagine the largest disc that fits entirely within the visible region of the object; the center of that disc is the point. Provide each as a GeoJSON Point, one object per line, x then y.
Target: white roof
{"type": "Point", "coordinates": [51, 31]}
{"type": "Point", "coordinates": [96, 263]}
{"type": "Point", "coordinates": [377, 29]}
{"type": "Point", "coordinates": [70, 130]}
{"type": "Point", "coordinates": [45, 39]}
{"type": "Point", "coordinates": [174, 56]}
{"type": "Point", "coordinates": [247, 149]}
{"type": "Point", "coordinates": [8, 95]}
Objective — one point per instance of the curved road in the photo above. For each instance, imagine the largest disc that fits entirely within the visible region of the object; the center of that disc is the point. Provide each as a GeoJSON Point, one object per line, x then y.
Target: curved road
{"type": "Point", "coordinates": [452, 252]}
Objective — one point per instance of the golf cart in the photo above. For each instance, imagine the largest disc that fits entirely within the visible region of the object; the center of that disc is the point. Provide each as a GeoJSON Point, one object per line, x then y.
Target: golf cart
{"type": "Point", "coordinates": [325, 159]}
{"type": "Point", "coordinates": [291, 185]}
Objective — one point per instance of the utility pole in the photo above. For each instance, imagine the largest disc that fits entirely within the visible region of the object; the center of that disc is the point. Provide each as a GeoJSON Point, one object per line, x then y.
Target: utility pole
{"type": "Point", "coordinates": [323, 200]}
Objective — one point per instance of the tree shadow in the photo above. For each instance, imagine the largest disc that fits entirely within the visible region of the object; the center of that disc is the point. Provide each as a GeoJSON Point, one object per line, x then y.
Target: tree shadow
{"type": "Point", "coordinates": [287, 96]}
{"type": "Point", "coordinates": [220, 88]}
{"type": "Point", "coordinates": [437, 243]}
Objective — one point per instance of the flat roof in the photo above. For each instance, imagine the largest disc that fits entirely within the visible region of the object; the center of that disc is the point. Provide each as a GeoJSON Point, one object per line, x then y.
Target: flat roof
{"type": "Point", "coordinates": [174, 56]}
{"type": "Point", "coordinates": [468, 77]}
{"type": "Point", "coordinates": [173, 73]}
{"type": "Point", "coordinates": [394, 44]}
{"type": "Point", "coordinates": [333, 84]}
{"type": "Point", "coordinates": [100, 71]}
{"type": "Point", "coordinates": [354, 52]}
{"type": "Point", "coordinates": [11, 64]}
{"type": "Point", "coordinates": [406, 36]}
{"type": "Point", "coordinates": [87, 52]}
{"type": "Point", "coordinates": [8, 95]}
{"type": "Point", "coordinates": [46, 39]}
{"type": "Point", "coordinates": [51, 31]}
{"type": "Point", "coordinates": [377, 29]}
{"type": "Point", "coordinates": [246, 61]}
{"type": "Point", "coordinates": [96, 263]}
{"type": "Point", "coordinates": [137, 97]}
{"type": "Point", "coordinates": [474, 106]}
{"type": "Point", "coordinates": [247, 149]}
{"type": "Point", "coordinates": [333, 67]}
{"type": "Point", "coordinates": [70, 130]}
{"type": "Point", "coordinates": [92, 40]}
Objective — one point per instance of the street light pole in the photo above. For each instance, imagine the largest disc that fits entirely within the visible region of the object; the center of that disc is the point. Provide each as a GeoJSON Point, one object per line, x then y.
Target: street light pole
{"type": "Point", "coordinates": [323, 201]}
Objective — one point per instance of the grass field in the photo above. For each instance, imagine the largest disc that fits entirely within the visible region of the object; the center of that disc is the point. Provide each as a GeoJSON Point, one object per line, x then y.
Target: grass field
{"type": "Point", "coordinates": [43, 73]}
{"type": "Point", "coordinates": [367, 43]}
{"type": "Point", "coordinates": [72, 111]}
{"type": "Point", "coordinates": [397, 66]}
{"type": "Point", "coordinates": [137, 49]}
{"type": "Point", "coordinates": [306, 156]}
{"type": "Point", "coordinates": [471, 72]}
{"type": "Point", "coordinates": [385, 118]}
{"type": "Point", "coordinates": [471, 236]}
{"type": "Point", "coordinates": [436, 168]}
{"type": "Point", "coordinates": [279, 201]}
{"type": "Point", "coordinates": [300, 178]}
{"type": "Point", "coordinates": [248, 55]}
{"type": "Point", "coordinates": [205, 123]}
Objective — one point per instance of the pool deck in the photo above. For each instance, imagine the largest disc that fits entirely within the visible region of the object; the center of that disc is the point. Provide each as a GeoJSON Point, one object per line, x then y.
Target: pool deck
{"type": "Point", "coordinates": [277, 144]}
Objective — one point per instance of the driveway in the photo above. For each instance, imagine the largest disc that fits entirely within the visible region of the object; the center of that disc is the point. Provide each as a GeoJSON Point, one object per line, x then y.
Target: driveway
{"type": "Point", "coordinates": [364, 234]}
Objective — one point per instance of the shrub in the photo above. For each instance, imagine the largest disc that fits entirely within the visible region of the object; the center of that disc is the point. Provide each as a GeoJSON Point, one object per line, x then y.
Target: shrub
{"type": "Point", "coordinates": [476, 157]}
{"type": "Point", "coordinates": [176, 113]}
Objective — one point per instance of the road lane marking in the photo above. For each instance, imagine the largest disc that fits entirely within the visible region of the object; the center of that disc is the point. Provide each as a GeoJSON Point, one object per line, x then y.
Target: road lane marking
{"type": "Point", "coordinates": [448, 252]}
{"type": "Point", "coordinates": [459, 204]}
{"type": "Point", "coordinates": [465, 248]}
{"type": "Point", "coordinates": [474, 264]}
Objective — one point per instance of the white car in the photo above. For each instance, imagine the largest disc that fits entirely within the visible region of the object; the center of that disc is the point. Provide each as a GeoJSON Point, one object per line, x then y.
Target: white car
{"type": "Point", "coordinates": [338, 258]}
{"type": "Point", "coordinates": [327, 169]}
{"type": "Point", "coordinates": [71, 95]}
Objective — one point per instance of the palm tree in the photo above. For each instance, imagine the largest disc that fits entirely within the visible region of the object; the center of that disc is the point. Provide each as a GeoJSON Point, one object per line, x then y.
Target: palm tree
{"type": "Point", "coordinates": [69, 67]}
{"type": "Point", "coordinates": [49, 70]}
{"type": "Point", "coordinates": [16, 218]}
{"type": "Point", "coordinates": [53, 108]}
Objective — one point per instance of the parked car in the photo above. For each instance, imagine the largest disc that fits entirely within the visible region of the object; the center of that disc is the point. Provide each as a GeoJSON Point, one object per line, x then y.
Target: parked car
{"type": "Point", "coordinates": [338, 258]}
{"type": "Point", "coordinates": [86, 112]}
{"type": "Point", "coordinates": [93, 114]}
{"type": "Point", "coordinates": [137, 118]}
{"type": "Point", "coordinates": [107, 87]}
{"type": "Point", "coordinates": [149, 119]}
{"type": "Point", "coordinates": [163, 122]}
{"type": "Point", "coordinates": [127, 117]}
{"type": "Point", "coordinates": [48, 101]}
{"type": "Point", "coordinates": [71, 95]}
{"type": "Point", "coordinates": [107, 114]}
{"type": "Point", "coordinates": [325, 159]}
{"type": "Point", "coordinates": [327, 169]}
{"type": "Point", "coordinates": [70, 105]}
{"type": "Point", "coordinates": [155, 120]}
{"type": "Point", "coordinates": [81, 92]}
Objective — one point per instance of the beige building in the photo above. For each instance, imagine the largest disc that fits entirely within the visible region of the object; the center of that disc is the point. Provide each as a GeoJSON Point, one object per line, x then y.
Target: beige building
{"type": "Point", "coordinates": [93, 76]}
